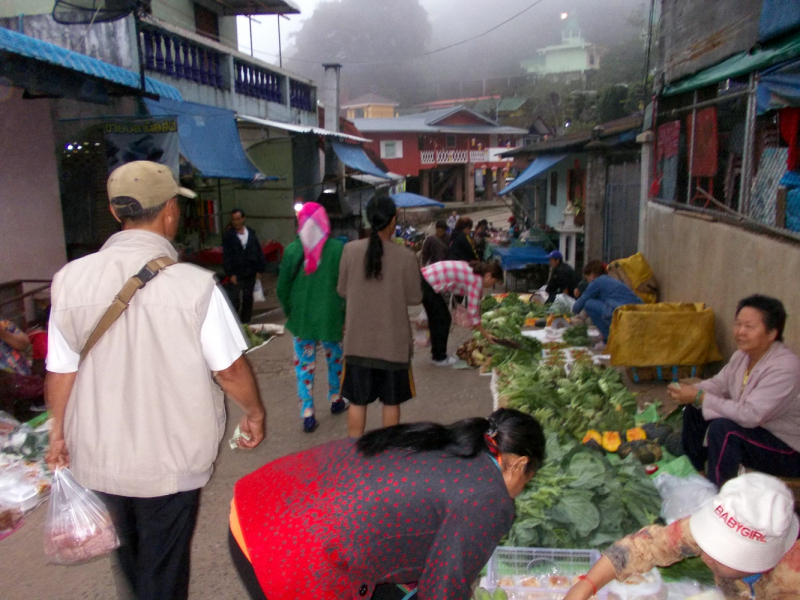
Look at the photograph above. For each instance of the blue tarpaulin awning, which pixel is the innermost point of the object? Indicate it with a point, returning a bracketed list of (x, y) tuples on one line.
[(355, 158), (519, 257), (209, 139), (779, 87), (409, 200), (536, 168), (26, 46)]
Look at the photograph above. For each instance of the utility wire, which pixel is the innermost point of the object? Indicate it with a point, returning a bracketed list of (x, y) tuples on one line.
[(437, 50)]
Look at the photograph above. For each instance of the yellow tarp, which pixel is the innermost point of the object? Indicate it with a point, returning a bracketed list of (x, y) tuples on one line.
[(635, 272), (664, 334)]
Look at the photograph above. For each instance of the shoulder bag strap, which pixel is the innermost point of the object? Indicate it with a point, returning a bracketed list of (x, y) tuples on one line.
[(123, 299)]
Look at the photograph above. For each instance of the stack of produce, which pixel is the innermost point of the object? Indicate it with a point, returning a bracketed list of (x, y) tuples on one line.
[(579, 499), (588, 398)]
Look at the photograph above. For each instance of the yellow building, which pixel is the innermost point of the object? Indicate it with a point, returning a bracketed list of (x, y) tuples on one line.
[(370, 106)]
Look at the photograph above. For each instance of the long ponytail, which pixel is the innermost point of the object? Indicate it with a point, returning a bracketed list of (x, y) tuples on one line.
[(380, 212), (511, 431)]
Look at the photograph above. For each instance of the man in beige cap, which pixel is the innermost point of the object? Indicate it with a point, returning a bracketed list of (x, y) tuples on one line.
[(138, 418)]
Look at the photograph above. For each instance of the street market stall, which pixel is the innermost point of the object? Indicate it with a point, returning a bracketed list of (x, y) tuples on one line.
[(603, 453)]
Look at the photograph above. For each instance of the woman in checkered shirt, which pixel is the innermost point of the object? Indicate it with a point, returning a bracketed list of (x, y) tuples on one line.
[(462, 279)]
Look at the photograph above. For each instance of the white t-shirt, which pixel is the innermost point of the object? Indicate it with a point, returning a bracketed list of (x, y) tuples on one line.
[(243, 237), (221, 337)]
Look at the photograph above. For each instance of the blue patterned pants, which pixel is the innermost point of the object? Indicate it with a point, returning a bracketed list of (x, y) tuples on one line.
[(305, 358)]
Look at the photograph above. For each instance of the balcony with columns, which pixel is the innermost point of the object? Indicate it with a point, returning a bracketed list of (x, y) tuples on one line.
[(208, 72)]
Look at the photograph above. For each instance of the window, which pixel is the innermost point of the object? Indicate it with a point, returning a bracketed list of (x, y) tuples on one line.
[(206, 22), (450, 140), (392, 149), (554, 188), (358, 113)]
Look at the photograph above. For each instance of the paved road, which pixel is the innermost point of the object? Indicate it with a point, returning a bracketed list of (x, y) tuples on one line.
[(445, 395)]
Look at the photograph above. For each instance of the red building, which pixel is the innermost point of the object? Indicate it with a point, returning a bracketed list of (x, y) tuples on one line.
[(445, 154)]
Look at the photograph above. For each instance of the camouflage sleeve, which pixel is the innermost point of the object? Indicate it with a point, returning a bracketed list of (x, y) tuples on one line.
[(651, 547)]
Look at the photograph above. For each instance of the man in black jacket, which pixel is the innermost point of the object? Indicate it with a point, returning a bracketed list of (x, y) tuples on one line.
[(562, 277), (243, 259)]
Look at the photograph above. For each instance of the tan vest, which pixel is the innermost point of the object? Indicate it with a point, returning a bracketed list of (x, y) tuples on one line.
[(145, 417)]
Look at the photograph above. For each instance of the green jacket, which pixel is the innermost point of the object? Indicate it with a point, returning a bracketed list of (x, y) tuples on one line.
[(313, 308)]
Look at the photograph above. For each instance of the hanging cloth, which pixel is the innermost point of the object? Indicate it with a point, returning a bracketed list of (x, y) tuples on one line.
[(789, 124), (314, 228)]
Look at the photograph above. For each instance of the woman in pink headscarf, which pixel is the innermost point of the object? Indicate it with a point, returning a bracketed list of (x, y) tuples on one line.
[(315, 312)]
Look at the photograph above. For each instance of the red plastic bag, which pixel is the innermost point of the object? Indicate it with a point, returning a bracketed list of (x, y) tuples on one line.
[(78, 525)]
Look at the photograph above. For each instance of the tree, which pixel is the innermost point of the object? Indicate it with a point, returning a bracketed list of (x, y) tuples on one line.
[(370, 38)]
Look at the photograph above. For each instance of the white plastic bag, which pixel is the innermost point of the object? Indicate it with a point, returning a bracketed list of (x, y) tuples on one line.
[(422, 335), (78, 525), (683, 496), (258, 292)]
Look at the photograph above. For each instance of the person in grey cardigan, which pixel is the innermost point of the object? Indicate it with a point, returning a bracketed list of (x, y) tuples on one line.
[(379, 280), (750, 412)]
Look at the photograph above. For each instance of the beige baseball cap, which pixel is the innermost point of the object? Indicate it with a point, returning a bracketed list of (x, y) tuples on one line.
[(149, 183)]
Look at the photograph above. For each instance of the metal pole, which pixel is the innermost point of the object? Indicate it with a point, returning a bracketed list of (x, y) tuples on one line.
[(250, 22), (747, 157), (691, 151), (280, 51)]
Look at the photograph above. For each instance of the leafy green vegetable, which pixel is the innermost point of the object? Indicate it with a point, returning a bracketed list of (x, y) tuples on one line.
[(489, 303), (577, 335), (689, 568), (579, 499)]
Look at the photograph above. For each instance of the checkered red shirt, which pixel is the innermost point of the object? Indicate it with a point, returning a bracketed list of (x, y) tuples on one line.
[(456, 277)]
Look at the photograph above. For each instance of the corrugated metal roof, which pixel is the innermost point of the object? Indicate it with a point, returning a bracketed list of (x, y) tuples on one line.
[(259, 7), (302, 129), (428, 122), (580, 140), (368, 99), (23, 45)]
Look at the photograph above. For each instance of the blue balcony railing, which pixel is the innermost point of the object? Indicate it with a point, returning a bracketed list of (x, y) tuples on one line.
[(301, 96), (257, 82), (178, 57)]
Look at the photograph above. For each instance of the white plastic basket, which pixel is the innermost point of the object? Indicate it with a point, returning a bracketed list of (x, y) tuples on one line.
[(555, 571)]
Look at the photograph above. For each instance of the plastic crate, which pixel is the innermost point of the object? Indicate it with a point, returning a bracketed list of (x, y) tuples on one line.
[(516, 564), (666, 373)]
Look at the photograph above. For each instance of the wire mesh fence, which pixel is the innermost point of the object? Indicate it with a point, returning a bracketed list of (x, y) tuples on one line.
[(714, 153)]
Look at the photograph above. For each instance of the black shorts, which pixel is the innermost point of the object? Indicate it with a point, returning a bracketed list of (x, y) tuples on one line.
[(363, 385)]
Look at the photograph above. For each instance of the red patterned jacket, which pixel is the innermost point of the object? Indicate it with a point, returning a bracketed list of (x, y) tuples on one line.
[(328, 523)]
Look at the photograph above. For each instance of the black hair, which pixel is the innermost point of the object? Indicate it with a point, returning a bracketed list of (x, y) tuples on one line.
[(482, 223), (493, 267), (380, 212), (129, 210), (514, 432), (772, 312), (441, 224), (239, 210)]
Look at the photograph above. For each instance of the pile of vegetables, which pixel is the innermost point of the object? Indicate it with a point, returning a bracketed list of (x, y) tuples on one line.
[(579, 499), (577, 335), (588, 398)]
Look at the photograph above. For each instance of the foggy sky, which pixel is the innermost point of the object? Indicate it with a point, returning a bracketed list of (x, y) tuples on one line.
[(604, 22)]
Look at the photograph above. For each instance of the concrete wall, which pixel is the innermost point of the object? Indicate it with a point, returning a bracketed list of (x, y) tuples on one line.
[(696, 34), (31, 230), (181, 13), (555, 214), (12, 8), (696, 260)]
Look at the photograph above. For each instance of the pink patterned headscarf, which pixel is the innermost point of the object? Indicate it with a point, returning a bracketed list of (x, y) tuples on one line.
[(314, 229)]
